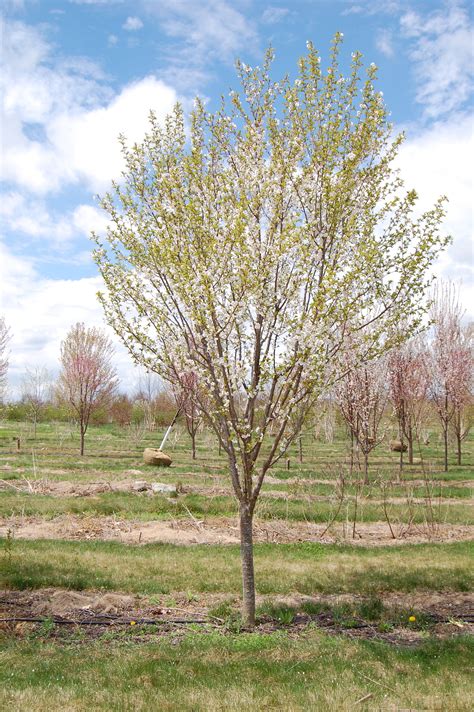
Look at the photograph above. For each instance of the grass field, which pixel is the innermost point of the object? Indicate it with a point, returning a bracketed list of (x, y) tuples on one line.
[(364, 592)]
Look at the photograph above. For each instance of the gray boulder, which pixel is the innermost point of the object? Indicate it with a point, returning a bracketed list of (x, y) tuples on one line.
[(140, 486), (159, 487)]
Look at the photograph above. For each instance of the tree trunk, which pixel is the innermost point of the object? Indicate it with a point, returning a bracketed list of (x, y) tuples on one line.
[(445, 434), (410, 446), (82, 439), (352, 453), (193, 438), (248, 579), (458, 436), (300, 444), (366, 468)]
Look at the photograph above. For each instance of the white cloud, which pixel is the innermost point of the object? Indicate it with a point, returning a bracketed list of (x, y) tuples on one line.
[(112, 40), (441, 52), (132, 23), (76, 114), (41, 311), (86, 143), (87, 219), (384, 42), (273, 15), (373, 7), (204, 32), (29, 217), (434, 163), (96, 2)]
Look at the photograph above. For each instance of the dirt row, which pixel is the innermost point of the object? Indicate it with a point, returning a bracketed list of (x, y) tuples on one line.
[(65, 488), (61, 602), (224, 530), (445, 614)]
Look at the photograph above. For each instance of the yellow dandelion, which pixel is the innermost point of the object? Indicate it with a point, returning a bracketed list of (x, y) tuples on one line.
[(133, 622), (412, 619)]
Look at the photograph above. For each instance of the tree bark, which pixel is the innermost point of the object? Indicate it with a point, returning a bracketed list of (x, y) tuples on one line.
[(410, 447), (193, 438), (248, 578), (445, 434), (300, 444), (366, 468), (82, 439), (458, 437)]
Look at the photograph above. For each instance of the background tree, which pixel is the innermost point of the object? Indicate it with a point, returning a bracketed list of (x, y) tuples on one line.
[(87, 380), (4, 339), (36, 392), (121, 409), (461, 387), (362, 396), (408, 379), (448, 359), (185, 392), (241, 248)]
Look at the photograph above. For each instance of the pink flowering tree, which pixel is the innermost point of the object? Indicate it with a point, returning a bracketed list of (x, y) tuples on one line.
[(185, 389), (461, 388), (450, 364), (87, 380), (242, 243), (361, 395), (408, 380)]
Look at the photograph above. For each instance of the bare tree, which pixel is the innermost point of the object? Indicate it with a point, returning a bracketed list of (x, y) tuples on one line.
[(450, 361), (121, 409), (5, 337), (88, 379), (146, 396), (36, 391), (408, 379), (185, 393), (362, 396)]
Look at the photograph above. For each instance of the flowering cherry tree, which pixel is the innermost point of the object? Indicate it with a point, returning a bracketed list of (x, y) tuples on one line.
[(462, 374), (361, 394), (185, 388), (87, 380), (450, 363), (241, 245), (408, 378)]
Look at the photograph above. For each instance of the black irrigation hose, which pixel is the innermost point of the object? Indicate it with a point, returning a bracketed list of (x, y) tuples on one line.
[(102, 621), (112, 620)]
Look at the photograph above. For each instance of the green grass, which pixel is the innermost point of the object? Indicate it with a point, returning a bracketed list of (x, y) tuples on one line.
[(305, 568), (209, 671), (214, 673)]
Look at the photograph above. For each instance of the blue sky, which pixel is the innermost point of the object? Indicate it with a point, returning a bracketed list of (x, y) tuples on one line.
[(76, 73)]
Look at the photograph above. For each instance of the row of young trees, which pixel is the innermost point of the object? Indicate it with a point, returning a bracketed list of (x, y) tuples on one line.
[(87, 389), (410, 378)]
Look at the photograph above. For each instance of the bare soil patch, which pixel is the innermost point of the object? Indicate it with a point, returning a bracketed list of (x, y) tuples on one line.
[(224, 531)]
